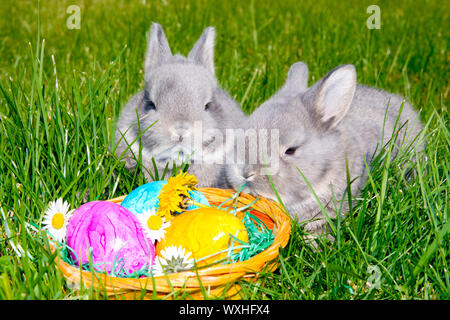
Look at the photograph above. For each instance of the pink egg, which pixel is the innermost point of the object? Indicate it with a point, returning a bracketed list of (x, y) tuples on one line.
[(118, 242)]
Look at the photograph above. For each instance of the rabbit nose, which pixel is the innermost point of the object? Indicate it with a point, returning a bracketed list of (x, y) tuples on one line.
[(248, 173), (179, 131), (180, 134)]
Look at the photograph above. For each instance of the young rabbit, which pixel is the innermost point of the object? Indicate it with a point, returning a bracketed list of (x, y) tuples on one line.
[(319, 127), (185, 108)]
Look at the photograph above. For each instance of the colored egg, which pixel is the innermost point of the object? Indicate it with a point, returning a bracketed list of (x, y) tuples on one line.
[(204, 232), (145, 197), (115, 235)]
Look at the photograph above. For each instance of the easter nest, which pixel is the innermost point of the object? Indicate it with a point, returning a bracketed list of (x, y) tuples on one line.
[(214, 281)]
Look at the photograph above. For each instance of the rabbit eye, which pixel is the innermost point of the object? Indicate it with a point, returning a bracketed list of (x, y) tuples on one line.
[(290, 151), (208, 105), (149, 105)]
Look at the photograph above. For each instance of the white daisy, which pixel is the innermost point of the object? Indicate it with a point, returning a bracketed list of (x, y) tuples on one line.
[(172, 259), (56, 218), (154, 225)]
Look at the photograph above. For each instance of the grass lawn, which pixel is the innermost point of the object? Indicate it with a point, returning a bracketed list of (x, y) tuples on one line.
[(61, 91)]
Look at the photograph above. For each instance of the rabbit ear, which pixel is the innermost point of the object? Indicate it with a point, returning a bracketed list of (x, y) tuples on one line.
[(297, 79), (333, 94), (203, 50), (158, 49)]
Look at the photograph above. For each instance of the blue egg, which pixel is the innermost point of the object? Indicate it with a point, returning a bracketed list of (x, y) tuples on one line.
[(145, 197)]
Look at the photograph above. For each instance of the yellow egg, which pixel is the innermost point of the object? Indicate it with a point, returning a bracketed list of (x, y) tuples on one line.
[(204, 232)]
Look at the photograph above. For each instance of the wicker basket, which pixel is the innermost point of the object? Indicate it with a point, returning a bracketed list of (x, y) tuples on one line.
[(216, 281)]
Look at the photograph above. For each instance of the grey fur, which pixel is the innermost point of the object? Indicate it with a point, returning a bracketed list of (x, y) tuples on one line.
[(333, 119), (180, 88)]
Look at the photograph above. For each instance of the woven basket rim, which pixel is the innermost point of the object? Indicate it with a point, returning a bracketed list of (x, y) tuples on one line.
[(217, 275)]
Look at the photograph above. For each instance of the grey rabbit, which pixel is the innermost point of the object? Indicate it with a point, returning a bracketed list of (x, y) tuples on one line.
[(180, 113), (318, 127)]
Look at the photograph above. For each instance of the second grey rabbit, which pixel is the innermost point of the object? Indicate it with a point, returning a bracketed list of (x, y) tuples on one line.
[(318, 128), (184, 107)]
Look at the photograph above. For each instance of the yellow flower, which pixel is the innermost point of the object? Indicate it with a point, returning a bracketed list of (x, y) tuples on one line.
[(183, 180), (173, 193), (169, 202)]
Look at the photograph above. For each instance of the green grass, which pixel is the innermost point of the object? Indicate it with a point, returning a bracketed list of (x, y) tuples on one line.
[(61, 90)]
